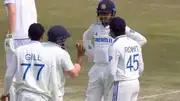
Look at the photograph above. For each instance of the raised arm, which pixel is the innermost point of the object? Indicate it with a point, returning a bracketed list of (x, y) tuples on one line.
[(70, 69), (73, 71), (11, 13), (136, 36)]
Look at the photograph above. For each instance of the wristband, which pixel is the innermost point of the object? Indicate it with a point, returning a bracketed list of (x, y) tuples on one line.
[(5, 95), (9, 35)]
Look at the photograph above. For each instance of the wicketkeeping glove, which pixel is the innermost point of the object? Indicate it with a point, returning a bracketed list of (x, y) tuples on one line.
[(80, 48)]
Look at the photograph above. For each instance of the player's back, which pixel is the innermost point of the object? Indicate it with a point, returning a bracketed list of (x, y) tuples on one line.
[(60, 55), (129, 58), (34, 69)]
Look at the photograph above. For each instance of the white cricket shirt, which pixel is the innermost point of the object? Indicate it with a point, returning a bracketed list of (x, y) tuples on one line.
[(101, 41), (125, 59), (63, 63), (34, 70), (26, 14)]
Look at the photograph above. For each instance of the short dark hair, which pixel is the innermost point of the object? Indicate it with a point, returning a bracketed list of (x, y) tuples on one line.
[(36, 31), (118, 26)]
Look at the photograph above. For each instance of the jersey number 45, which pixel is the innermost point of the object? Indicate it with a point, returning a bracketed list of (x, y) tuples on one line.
[(133, 63), (27, 66)]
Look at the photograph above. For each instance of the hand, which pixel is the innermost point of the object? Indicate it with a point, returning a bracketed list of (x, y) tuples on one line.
[(9, 44), (3, 97), (80, 48)]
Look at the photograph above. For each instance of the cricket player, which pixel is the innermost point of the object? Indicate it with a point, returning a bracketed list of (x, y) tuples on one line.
[(57, 46), (21, 14), (125, 63), (34, 70), (98, 50)]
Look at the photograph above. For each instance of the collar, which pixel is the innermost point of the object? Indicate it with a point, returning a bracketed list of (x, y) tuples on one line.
[(121, 36), (107, 27), (32, 41), (100, 23), (52, 43)]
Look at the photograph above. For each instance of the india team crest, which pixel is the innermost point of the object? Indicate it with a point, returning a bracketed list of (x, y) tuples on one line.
[(103, 6)]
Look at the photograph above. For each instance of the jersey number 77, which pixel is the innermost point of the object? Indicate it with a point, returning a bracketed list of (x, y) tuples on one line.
[(133, 63), (28, 66)]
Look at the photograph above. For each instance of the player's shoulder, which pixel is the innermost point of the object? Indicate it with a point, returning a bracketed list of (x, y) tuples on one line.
[(54, 48), (51, 45), (23, 47), (95, 26), (32, 46)]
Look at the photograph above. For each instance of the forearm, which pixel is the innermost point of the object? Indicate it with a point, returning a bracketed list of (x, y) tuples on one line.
[(11, 17), (70, 69), (7, 84), (79, 60), (75, 71), (141, 63), (89, 50), (141, 68), (10, 72), (88, 44), (12, 22)]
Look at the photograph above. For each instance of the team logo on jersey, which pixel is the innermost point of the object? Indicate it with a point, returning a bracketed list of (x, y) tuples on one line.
[(110, 58), (132, 31), (103, 6), (89, 47)]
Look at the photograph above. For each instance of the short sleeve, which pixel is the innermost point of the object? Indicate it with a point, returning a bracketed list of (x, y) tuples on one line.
[(66, 62), (9, 1)]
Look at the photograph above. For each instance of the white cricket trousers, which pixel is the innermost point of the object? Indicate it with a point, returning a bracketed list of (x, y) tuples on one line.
[(17, 42), (97, 83), (25, 95), (124, 91)]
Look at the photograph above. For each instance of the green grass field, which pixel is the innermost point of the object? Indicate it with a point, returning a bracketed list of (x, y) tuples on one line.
[(157, 20)]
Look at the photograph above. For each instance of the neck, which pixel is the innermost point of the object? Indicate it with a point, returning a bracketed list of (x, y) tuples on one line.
[(35, 40)]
